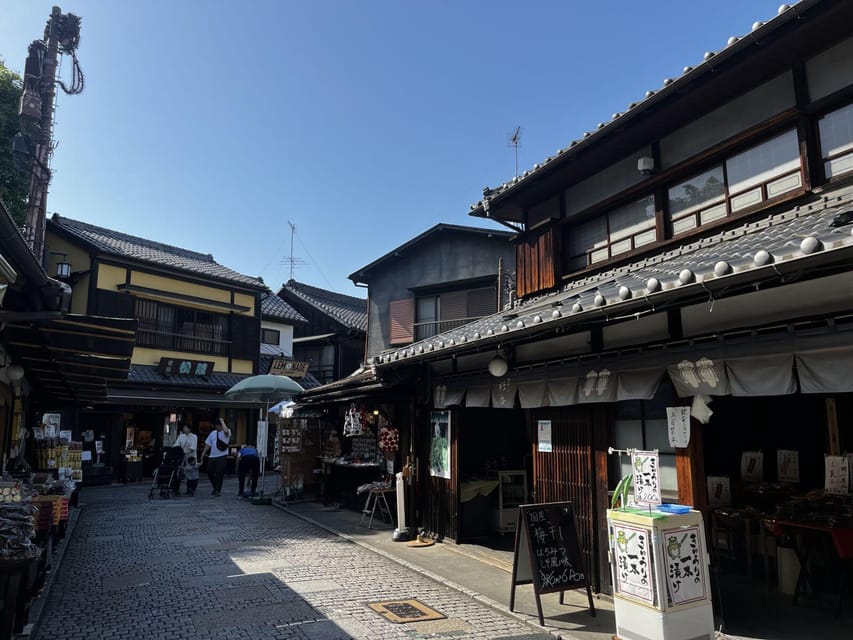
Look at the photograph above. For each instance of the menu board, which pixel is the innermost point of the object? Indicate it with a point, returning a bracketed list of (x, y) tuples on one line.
[(363, 448), (547, 551), (290, 440)]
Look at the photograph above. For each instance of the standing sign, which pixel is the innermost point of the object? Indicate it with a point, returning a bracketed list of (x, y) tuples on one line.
[(632, 561), (547, 553), (788, 465), (645, 468), (262, 438), (544, 436), (837, 478), (685, 573)]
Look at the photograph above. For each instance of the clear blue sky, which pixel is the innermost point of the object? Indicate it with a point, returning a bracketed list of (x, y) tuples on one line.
[(210, 124)]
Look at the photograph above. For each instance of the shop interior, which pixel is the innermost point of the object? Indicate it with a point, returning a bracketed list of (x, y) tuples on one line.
[(781, 530), (495, 466)]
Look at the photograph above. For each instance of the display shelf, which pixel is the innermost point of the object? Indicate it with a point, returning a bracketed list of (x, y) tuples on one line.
[(512, 493)]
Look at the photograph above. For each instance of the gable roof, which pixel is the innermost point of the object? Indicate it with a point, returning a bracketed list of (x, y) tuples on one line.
[(358, 276), (347, 310), (275, 309), (123, 245), (794, 17), (809, 237)]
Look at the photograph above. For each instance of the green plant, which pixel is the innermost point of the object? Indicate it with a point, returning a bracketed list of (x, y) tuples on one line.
[(620, 494)]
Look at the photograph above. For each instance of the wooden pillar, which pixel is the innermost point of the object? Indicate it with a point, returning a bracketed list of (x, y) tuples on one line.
[(690, 470)]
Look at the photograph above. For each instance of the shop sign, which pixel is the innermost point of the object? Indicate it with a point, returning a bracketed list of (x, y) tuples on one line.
[(179, 367), (646, 472), (544, 436), (289, 368), (678, 423)]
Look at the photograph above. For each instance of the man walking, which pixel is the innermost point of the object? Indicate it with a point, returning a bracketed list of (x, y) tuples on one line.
[(215, 450)]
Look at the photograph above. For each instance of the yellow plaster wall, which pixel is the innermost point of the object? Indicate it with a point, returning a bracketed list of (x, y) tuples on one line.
[(109, 277), (161, 283), (80, 294), (147, 356)]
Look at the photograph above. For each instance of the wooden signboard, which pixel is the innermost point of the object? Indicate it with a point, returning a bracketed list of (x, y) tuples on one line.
[(547, 553)]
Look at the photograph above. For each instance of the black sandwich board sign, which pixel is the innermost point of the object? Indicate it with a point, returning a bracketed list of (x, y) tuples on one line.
[(548, 553)]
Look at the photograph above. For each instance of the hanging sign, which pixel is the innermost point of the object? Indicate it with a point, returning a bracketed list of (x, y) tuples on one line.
[(788, 465), (262, 439), (544, 436), (632, 562), (678, 422), (180, 367), (837, 474), (289, 368), (547, 553), (752, 466), (685, 576), (719, 491), (645, 468)]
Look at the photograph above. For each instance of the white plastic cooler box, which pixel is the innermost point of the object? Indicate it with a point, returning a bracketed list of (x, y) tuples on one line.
[(659, 565)]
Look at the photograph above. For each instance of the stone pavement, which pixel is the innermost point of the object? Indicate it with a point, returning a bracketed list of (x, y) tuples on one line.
[(222, 568)]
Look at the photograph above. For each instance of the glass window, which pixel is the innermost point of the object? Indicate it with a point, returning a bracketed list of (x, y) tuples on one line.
[(426, 317), (696, 193), (629, 220), (836, 141), (270, 336), (761, 163)]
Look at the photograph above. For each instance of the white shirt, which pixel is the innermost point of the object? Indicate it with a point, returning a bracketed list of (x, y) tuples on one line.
[(211, 442), (188, 442)]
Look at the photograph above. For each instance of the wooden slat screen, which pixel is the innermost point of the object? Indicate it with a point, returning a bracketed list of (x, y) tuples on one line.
[(537, 262), (567, 473), (401, 318)]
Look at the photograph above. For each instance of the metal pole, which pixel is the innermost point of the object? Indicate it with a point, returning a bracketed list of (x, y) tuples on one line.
[(37, 210)]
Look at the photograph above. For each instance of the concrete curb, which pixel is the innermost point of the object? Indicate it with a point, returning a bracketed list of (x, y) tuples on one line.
[(38, 603), (484, 600)]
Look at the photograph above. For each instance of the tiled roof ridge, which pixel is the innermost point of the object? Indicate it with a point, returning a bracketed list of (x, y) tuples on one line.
[(320, 295), (73, 224), (668, 86)]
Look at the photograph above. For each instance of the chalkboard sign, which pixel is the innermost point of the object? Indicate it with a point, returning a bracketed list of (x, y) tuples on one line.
[(363, 448), (547, 553)]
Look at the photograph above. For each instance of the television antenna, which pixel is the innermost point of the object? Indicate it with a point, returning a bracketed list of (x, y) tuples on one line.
[(514, 141), (292, 261)]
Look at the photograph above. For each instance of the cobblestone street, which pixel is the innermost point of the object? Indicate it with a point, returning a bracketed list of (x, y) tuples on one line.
[(208, 567)]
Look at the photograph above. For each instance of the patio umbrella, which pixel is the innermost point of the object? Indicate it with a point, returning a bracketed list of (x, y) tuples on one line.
[(264, 389)]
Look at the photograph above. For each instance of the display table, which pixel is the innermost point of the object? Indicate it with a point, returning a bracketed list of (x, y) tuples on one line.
[(810, 537), (340, 481)]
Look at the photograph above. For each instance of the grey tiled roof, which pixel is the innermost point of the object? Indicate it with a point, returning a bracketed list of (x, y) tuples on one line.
[(274, 308), (671, 86), (755, 251), (127, 246), (348, 310), (147, 374)]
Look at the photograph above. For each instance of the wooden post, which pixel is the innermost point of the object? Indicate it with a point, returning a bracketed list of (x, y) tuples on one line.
[(690, 469), (833, 446)]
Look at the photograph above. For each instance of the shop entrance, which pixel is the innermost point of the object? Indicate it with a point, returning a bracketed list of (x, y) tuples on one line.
[(771, 521), (495, 469)]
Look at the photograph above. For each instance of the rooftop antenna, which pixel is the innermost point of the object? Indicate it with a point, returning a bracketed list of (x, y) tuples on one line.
[(514, 141), (291, 260)]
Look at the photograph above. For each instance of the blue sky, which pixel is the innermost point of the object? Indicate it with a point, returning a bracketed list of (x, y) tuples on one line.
[(212, 125)]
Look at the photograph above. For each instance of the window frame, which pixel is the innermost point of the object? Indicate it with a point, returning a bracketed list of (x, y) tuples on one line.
[(166, 328), (277, 332)]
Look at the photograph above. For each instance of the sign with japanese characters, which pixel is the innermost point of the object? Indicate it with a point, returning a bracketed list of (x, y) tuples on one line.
[(837, 474), (547, 552), (290, 440), (788, 465), (180, 367), (645, 468), (544, 436), (719, 491), (685, 576), (289, 368), (678, 423), (632, 558), (752, 466)]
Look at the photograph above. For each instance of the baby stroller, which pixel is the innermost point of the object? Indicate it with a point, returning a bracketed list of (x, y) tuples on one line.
[(167, 477)]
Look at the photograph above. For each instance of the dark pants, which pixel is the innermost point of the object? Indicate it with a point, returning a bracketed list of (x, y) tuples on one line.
[(192, 485), (216, 472), (251, 466)]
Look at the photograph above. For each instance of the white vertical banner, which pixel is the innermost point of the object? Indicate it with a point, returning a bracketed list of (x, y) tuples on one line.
[(544, 436), (262, 439), (678, 423), (788, 465), (752, 466), (645, 467), (837, 474)]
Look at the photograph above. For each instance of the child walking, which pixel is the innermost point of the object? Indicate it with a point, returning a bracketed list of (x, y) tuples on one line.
[(190, 471)]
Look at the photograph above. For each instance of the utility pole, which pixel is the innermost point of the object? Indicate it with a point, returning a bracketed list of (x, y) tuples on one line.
[(34, 145)]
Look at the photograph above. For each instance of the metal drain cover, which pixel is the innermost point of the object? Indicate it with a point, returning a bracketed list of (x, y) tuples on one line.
[(402, 611)]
